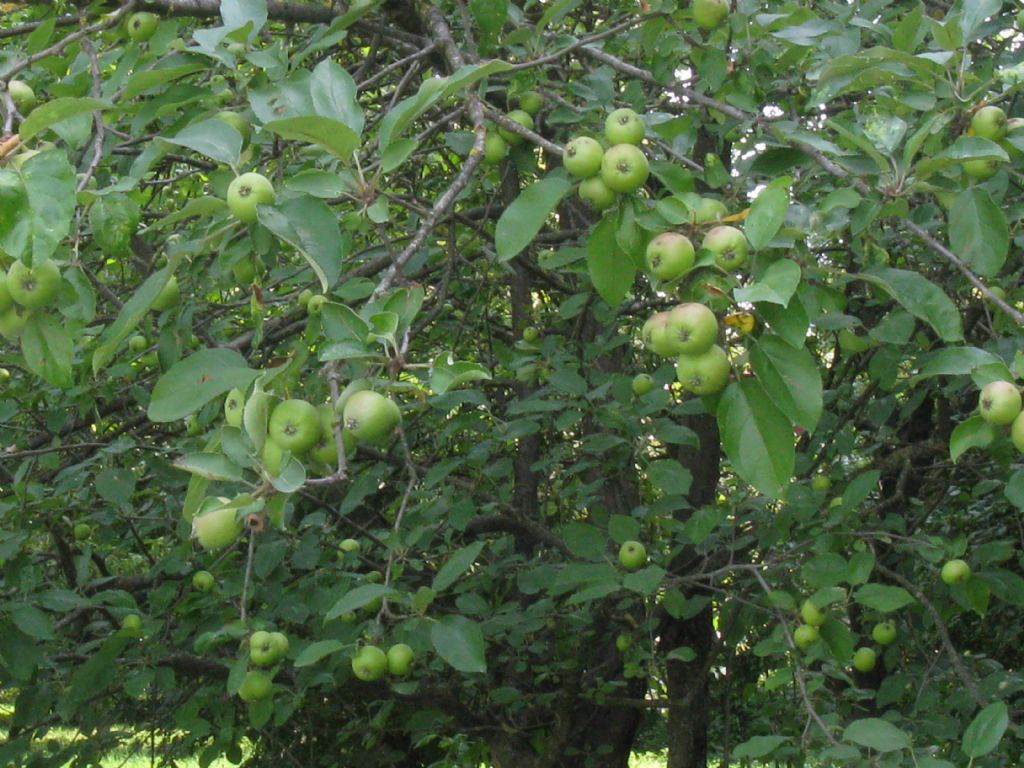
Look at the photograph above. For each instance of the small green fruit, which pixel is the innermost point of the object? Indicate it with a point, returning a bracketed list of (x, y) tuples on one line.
[(217, 528), (956, 572), (804, 635), (864, 659), (82, 531), (812, 614), (517, 116), (234, 407), (632, 555), (642, 384), (884, 633), (256, 686), (400, 657), (370, 663), (203, 581)]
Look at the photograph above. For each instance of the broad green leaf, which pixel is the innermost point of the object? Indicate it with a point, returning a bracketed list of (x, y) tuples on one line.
[(140, 82), (1014, 489), (978, 232), (332, 135), (313, 652), (777, 285), (972, 432), (193, 382), (212, 466), (883, 597), (358, 597), (972, 15), (311, 227), (446, 374), (921, 298), (55, 111), (986, 730), (524, 218), (114, 219), (791, 378), (460, 642), (460, 561), (759, 746), (670, 477), (47, 348), (37, 205), (92, 676), (213, 138), (32, 621), (334, 95), (237, 13), (757, 437), (767, 213), (956, 361), (611, 271), (877, 734), (490, 15)]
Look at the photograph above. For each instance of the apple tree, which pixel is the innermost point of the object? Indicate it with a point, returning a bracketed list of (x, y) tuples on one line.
[(398, 383)]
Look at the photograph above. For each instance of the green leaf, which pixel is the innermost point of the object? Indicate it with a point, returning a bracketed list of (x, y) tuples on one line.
[(49, 183), (114, 219), (877, 734), (610, 270), (972, 432), (670, 477), (358, 597), (460, 561), (32, 621), (956, 361), (767, 213), (446, 374), (460, 642), (91, 677), (757, 437), (55, 111), (759, 746), (193, 382), (791, 378), (47, 347), (777, 285), (921, 298), (213, 138), (212, 466), (978, 232), (313, 652), (524, 218), (334, 95), (311, 227), (883, 597), (237, 13), (332, 135), (986, 730)]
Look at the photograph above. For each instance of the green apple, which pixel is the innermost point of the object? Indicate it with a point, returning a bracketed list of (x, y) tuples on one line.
[(582, 157), (693, 327), (315, 304), (246, 192), (33, 287), (168, 297), (1017, 432), (256, 686), (530, 334), (709, 13), (234, 407), (658, 337), (516, 116), (4, 375), (495, 148), (294, 425), (623, 642), (374, 577), (704, 374), (999, 403), (804, 635), (708, 209), (370, 663), (138, 343), (244, 271), (350, 545), (203, 581), (632, 555), (261, 649), (400, 658), (236, 121), (22, 95), (981, 168), (370, 416), (82, 531), (729, 246), (821, 483), (12, 322), (6, 302), (642, 384), (864, 659), (884, 633), (989, 123), (624, 168), (531, 102), (596, 193), (624, 126), (956, 572), (131, 625), (669, 256), (217, 528), (141, 26), (272, 457), (279, 640), (305, 296), (812, 614)]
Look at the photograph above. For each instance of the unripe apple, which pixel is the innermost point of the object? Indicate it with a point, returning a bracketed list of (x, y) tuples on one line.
[(294, 425), (6, 302), (12, 322), (989, 123), (370, 663), (495, 148), (138, 343), (804, 635), (709, 209), (33, 287), (729, 246), (642, 384), (658, 337), (596, 193), (131, 625), (256, 686), (582, 157), (246, 192), (632, 555), (709, 13), (821, 483), (884, 633), (669, 256), (22, 95), (981, 168), (956, 572), (400, 658), (1017, 432), (864, 659), (623, 642), (350, 545), (704, 374), (234, 407), (624, 168), (315, 304), (305, 296), (280, 645), (693, 327), (82, 531), (624, 126), (272, 457), (1000, 403), (530, 334), (203, 581), (370, 416), (812, 614), (517, 116), (531, 102), (217, 528), (141, 26)]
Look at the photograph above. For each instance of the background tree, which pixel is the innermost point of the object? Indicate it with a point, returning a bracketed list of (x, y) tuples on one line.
[(345, 421)]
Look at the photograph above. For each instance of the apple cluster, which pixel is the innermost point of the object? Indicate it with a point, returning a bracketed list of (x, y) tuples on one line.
[(371, 662), (688, 332), (607, 173), (990, 122), (497, 143)]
